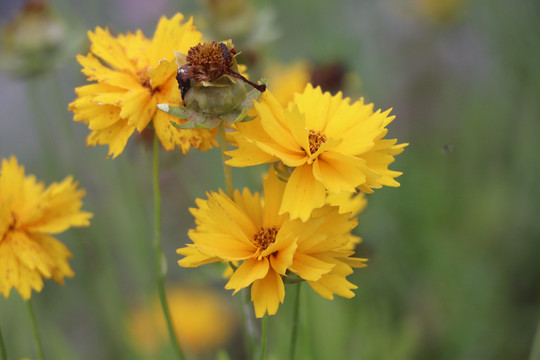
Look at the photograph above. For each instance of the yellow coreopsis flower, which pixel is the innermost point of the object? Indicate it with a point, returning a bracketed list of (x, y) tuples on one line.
[(250, 230), (29, 213), (331, 145), (202, 319), (131, 75)]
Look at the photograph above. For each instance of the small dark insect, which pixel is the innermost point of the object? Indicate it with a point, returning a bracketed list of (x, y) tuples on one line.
[(226, 53), (183, 76)]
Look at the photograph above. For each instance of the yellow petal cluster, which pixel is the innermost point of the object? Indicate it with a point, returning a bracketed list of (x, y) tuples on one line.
[(130, 75), (270, 246), (29, 214), (330, 145)]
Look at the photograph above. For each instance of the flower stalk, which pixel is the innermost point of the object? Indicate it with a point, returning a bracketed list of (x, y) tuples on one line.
[(3, 352), (161, 263), (226, 168), (264, 336), (35, 330), (294, 330)]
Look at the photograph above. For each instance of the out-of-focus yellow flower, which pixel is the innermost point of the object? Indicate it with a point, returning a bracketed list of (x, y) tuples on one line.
[(329, 144), (131, 75), (203, 321), (29, 213), (440, 11), (285, 81), (270, 246)]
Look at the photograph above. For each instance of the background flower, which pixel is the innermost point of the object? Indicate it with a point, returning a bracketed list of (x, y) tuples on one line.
[(29, 213)]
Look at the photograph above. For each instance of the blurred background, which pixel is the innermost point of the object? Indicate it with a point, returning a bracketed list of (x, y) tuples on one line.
[(454, 270)]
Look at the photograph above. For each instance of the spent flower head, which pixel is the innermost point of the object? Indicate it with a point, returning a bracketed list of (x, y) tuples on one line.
[(29, 214), (130, 75), (212, 87)]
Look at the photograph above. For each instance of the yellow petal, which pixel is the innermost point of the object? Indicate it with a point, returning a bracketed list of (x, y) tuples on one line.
[(31, 254), (138, 107), (160, 74), (339, 172), (267, 293), (110, 50), (282, 251), (249, 271), (95, 71), (225, 247), (303, 193), (116, 136), (310, 267), (28, 280), (61, 203), (273, 195), (9, 268), (193, 257), (59, 253), (171, 35), (274, 123)]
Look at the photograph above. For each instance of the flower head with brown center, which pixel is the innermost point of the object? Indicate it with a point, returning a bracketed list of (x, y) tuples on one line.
[(249, 230), (331, 146)]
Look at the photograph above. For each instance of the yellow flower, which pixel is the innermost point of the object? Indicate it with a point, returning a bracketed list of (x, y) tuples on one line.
[(249, 229), (131, 75), (29, 213), (285, 81), (332, 145), (201, 318)]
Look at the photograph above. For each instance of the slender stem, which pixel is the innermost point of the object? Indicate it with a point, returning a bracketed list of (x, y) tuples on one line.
[(535, 351), (264, 336), (296, 313), (226, 168), (35, 330), (161, 264), (3, 352)]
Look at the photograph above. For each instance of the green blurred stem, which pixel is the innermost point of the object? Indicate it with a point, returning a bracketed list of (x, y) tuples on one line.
[(535, 351), (294, 335), (35, 330), (3, 353), (264, 336), (226, 168), (160, 257)]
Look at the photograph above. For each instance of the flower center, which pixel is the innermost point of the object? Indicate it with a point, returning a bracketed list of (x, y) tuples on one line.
[(316, 139), (265, 237), (10, 227), (145, 80), (210, 61)]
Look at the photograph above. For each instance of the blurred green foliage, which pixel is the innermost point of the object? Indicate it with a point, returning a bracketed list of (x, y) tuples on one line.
[(454, 270)]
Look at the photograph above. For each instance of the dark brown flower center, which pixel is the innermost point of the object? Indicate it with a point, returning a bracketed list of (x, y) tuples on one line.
[(316, 139), (265, 237), (210, 61)]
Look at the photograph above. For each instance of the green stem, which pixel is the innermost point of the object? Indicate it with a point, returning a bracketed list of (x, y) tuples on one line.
[(35, 330), (226, 168), (3, 353), (264, 336), (296, 313), (161, 263), (535, 351)]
